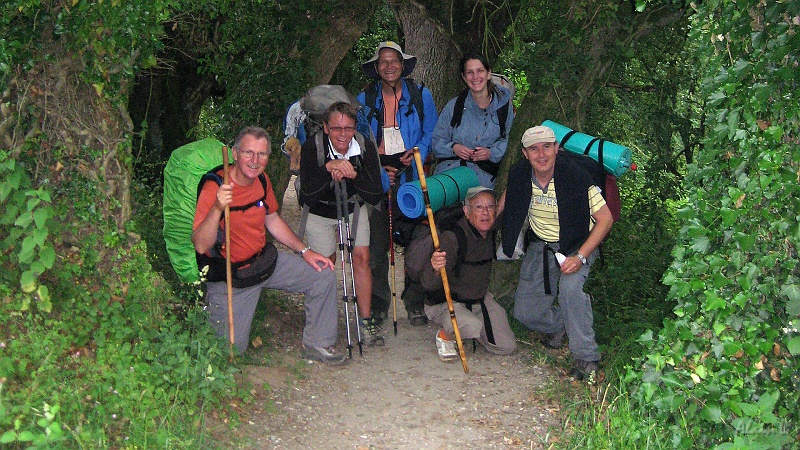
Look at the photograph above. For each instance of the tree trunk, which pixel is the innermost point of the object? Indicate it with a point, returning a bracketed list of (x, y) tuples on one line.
[(437, 54), (82, 140), (440, 33)]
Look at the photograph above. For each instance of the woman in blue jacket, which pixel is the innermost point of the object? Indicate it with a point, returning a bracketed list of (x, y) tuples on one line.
[(473, 128)]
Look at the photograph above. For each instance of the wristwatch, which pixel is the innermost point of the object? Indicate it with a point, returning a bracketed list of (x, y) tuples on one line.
[(303, 251), (581, 257)]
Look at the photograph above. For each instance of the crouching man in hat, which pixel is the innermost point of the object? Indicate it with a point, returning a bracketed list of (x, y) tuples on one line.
[(468, 272)]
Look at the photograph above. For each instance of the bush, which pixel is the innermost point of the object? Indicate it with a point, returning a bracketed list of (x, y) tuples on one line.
[(725, 371)]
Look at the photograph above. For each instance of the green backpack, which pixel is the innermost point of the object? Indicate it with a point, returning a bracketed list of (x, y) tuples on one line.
[(184, 170)]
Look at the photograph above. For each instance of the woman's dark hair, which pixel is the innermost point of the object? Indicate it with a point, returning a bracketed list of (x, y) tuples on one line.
[(486, 65)]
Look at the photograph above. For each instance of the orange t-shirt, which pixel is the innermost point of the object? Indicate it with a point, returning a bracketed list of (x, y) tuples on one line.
[(248, 229)]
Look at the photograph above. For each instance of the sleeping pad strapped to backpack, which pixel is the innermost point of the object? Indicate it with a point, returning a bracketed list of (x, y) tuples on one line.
[(185, 168)]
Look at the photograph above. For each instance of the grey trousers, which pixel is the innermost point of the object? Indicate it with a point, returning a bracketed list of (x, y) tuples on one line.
[(535, 309), (292, 274), (470, 324)]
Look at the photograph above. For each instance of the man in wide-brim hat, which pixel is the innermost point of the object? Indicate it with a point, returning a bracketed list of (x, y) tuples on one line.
[(401, 115)]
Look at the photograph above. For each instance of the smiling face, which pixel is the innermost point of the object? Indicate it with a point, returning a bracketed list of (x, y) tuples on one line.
[(251, 157), (390, 66), (542, 156), (481, 212), (476, 75), (340, 129)]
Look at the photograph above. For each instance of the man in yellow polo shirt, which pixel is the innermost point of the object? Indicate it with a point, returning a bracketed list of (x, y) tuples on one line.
[(567, 219)]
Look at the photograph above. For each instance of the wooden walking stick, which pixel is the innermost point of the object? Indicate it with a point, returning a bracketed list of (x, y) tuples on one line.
[(442, 271), (226, 180), (391, 261)]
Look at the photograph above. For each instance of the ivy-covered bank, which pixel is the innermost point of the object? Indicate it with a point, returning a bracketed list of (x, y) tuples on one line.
[(91, 355), (725, 370)]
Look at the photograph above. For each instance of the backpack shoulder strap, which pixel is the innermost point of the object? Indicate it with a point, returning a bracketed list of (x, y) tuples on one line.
[(262, 177), (458, 108), (502, 116), (370, 99), (211, 175), (416, 97), (461, 238), (320, 149)]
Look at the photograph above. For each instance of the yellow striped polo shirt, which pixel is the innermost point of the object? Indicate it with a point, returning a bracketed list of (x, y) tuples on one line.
[(543, 210)]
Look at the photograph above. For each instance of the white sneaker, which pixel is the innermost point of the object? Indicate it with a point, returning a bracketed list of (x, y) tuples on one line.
[(446, 348)]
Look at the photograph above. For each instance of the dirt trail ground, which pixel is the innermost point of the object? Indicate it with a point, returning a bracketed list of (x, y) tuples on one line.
[(399, 396)]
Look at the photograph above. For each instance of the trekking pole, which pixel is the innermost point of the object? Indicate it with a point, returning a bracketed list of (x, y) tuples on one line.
[(346, 214), (391, 263), (228, 275), (345, 299), (442, 271)]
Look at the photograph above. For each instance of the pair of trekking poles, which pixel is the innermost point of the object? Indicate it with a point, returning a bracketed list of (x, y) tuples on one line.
[(343, 219), (346, 240)]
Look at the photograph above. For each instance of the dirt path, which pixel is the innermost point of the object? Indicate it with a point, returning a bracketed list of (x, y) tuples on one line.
[(400, 396)]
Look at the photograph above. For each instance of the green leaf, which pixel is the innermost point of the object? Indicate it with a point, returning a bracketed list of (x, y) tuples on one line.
[(7, 437), (712, 413), (794, 345), (792, 291), (40, 217), (700, 244), (27, 281), (25, 436), (26, 250), (713, 301), (24, 220), (44, 299), (47, 255), (749, 409)]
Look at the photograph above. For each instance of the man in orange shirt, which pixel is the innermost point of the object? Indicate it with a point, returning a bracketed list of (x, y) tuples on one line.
[(254, 211)]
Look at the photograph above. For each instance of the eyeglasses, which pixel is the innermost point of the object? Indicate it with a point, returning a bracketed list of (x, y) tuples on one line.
[(484, 208), (342, 129), (248, 154)]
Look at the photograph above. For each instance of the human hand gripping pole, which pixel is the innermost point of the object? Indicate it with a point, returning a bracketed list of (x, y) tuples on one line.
[(445, 284), (226, 180)]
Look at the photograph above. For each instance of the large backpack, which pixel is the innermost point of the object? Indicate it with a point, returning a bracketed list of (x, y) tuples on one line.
[(317, 100), (602, 179), (182, 174)]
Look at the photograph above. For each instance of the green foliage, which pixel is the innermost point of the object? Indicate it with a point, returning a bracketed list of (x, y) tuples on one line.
[(259, 61), (724, 371), (112, 367), (25, 223), (114, 38)]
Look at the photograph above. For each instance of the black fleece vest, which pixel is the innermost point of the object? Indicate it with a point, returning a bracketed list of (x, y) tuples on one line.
[(572, 186)]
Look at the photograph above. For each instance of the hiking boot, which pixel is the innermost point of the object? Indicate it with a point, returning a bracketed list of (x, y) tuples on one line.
[(584, 370), (325, 355), (445, 347), (555, 341), (371, 333), (417, 317)]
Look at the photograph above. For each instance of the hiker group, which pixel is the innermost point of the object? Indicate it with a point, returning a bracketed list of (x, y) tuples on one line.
[(353, 158)]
